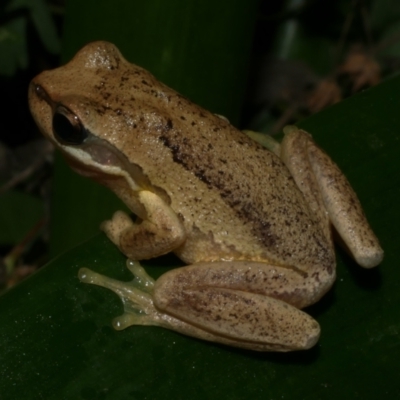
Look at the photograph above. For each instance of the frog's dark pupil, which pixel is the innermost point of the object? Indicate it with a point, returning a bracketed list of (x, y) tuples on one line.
[(67, 132)]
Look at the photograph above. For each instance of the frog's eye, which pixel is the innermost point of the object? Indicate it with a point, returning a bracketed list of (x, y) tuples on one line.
[(67, 127)]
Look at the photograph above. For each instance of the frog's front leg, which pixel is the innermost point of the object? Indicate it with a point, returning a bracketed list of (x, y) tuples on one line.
[(243, 304), (159, 233)]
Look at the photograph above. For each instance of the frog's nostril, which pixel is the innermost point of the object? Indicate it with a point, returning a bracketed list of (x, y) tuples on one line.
[(41, 93)]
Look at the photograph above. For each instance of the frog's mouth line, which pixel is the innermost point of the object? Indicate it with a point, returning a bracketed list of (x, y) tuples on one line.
[(98, 159)]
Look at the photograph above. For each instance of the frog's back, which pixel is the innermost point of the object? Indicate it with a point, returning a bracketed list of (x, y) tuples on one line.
[(245, 190)]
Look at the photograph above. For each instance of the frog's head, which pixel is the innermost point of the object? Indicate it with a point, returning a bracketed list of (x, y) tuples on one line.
[(96, 110)]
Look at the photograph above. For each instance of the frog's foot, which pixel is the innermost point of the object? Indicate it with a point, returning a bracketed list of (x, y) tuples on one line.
[(136, 295), (137, 299)]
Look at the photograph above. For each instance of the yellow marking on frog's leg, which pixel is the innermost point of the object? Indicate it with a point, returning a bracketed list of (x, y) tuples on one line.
[(265, 140), (160, 233), (326, 188)]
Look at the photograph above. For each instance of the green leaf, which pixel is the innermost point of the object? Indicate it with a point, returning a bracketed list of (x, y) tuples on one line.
[(56, 339)]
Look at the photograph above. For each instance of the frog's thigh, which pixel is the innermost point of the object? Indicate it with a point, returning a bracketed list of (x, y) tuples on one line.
[(233, 300), (326, 188), (160, 233)]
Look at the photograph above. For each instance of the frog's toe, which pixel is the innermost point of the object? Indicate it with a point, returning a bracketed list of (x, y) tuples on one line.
[(113, 228)]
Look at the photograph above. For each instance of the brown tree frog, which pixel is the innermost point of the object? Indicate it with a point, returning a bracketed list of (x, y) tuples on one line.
[(253, 225)]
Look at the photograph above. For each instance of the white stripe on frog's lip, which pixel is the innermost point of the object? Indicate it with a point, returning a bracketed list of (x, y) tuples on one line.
[(85, 159)]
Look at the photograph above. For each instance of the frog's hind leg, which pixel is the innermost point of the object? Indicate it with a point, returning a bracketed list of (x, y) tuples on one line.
[(329, 195), (222, 302), (245, 304)]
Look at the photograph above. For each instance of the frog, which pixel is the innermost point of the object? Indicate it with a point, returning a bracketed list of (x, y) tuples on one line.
[(252, 222)]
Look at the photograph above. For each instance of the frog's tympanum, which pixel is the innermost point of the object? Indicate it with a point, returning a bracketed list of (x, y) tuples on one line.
[(253, 225)]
